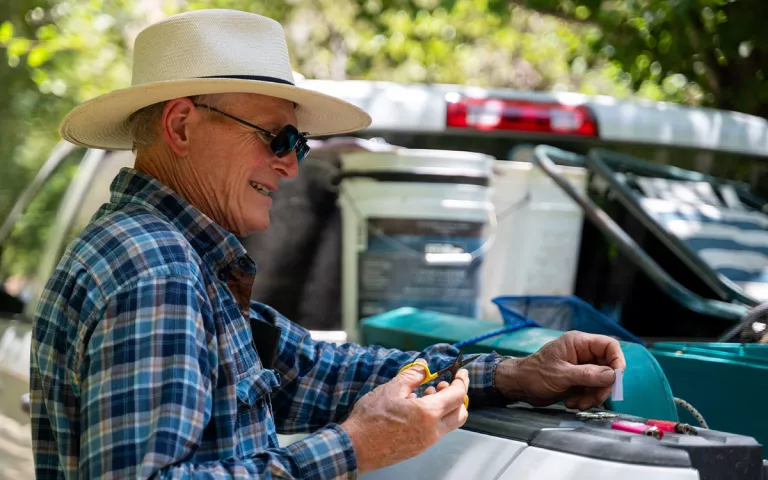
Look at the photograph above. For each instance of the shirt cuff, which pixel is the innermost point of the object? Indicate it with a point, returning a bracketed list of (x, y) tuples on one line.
[(482, 381), (326, 454)]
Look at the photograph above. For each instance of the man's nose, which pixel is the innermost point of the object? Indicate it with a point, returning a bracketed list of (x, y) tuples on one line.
[(286, 166)]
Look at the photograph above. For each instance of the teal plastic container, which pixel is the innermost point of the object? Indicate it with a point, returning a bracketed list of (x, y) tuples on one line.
[(726, 382), (646, 390)]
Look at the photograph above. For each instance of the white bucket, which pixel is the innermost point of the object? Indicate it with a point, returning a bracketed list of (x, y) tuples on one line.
[(537, 243), (414, 231)]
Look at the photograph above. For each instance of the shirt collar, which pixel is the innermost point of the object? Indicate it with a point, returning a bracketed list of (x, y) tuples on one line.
[(216, 246)]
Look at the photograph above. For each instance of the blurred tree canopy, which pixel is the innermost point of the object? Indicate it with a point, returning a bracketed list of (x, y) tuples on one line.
[(713, 52), (55, 54)]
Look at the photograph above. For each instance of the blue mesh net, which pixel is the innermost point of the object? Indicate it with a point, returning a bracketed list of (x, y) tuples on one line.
[(559, 313)]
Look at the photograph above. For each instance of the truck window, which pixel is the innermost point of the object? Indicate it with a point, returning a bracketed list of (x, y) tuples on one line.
[(24, 247)]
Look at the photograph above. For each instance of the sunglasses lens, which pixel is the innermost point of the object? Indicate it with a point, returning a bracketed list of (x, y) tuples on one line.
[(302, 151), (288, 139)]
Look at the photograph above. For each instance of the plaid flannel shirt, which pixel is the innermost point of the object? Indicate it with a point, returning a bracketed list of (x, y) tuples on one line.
[(143, 362)]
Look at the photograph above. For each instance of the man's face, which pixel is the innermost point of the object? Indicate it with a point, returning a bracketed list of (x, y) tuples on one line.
[(235, 163)]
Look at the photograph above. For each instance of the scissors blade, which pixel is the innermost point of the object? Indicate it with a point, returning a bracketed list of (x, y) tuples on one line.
[(457, 364), (466, 361), (449, 368)]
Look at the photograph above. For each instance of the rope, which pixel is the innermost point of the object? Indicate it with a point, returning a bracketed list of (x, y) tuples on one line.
[(502, 331), (694, 412)]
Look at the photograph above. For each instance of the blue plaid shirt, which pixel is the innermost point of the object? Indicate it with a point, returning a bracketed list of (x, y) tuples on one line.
[(143, 361)]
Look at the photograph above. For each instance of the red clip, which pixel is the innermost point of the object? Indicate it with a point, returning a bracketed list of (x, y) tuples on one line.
[(673, 427)]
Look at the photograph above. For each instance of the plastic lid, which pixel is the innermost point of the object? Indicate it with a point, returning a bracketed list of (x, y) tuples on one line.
[(430, 162)]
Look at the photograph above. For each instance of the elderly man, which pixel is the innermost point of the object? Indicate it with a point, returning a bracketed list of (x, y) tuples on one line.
[(148, 357)]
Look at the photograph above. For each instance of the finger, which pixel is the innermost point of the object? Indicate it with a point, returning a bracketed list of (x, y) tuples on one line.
[(429, 391), (453, 420), (463, 376), (442, 385), (572, 402), (451, 397), (411, 396), (589, 376), (599, 349), (410, 378), (589, 399), (603, 394)]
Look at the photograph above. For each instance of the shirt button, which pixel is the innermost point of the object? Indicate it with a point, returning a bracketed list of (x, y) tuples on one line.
[(223, 276), (242, 262)]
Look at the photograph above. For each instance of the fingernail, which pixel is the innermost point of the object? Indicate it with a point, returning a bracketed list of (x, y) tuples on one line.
[(607, 377)]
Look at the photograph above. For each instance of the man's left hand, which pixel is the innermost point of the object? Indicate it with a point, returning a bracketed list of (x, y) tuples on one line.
[(577, 368)]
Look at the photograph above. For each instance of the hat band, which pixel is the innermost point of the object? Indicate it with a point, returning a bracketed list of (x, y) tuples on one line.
[(253, 77)]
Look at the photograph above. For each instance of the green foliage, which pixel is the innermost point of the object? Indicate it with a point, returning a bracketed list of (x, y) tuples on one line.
[(711, 52), (57, 54)]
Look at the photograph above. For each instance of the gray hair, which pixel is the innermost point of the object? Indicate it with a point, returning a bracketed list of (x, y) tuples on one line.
[(144, 124)]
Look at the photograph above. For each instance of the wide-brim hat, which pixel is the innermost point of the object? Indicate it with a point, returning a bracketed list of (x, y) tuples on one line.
[(207, 52)]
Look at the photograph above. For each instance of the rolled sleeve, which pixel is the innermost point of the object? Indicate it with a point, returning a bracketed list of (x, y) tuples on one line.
[(328, 453), (482, 380)]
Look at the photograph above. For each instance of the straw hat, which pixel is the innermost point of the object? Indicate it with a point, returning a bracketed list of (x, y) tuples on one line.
[(206, 52)]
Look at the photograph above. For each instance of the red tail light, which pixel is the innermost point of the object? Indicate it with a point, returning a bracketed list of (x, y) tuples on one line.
[(519, 115)]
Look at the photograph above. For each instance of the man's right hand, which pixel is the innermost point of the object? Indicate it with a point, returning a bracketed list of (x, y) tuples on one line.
[(389, 425)]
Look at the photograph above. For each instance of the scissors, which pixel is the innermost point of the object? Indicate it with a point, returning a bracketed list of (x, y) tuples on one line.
[(452, 369)]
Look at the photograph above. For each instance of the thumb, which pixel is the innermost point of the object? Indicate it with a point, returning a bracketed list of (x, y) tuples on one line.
[(591, 376), (410, 378)]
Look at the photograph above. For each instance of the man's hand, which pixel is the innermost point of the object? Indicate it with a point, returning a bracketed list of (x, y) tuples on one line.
[(577, 367), (390, 424)]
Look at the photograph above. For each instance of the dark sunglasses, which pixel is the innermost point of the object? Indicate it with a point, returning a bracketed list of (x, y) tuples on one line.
[(284, 142)]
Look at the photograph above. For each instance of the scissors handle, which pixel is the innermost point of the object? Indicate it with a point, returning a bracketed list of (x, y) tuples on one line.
[(427, 378), (430, 376)]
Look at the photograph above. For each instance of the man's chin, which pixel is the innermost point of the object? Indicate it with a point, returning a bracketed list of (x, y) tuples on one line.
[(257, 224)]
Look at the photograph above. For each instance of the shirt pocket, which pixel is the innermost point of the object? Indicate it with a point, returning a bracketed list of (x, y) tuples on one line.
[(255, 423), (255, 387)]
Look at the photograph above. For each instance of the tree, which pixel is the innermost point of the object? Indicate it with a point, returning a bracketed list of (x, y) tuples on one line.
[(57, 54), (713, 52)]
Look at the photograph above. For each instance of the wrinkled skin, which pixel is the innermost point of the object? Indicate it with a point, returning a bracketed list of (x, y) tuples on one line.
[(390, 424), (577, 368), (211, 160)]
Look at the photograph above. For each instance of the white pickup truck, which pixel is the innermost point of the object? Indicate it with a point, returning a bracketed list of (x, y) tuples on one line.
[(449, 117)]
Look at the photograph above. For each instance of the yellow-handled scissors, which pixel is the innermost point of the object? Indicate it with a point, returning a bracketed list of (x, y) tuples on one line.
[(452, 369)]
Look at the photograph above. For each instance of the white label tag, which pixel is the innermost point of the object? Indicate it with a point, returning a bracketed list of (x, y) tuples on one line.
[(617, 394)]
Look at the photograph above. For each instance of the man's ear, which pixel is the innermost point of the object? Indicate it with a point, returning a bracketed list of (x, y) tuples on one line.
[(177, 115)]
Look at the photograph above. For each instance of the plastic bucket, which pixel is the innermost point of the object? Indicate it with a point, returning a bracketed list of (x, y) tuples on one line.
[(415, 226), (537, 243)]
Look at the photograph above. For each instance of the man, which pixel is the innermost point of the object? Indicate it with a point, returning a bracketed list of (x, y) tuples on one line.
[(148, 358)]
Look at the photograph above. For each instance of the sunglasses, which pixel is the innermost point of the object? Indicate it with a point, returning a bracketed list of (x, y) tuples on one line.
[(282, 143)]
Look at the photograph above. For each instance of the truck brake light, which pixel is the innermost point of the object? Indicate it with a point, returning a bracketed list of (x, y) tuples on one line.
[(519, 115)]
